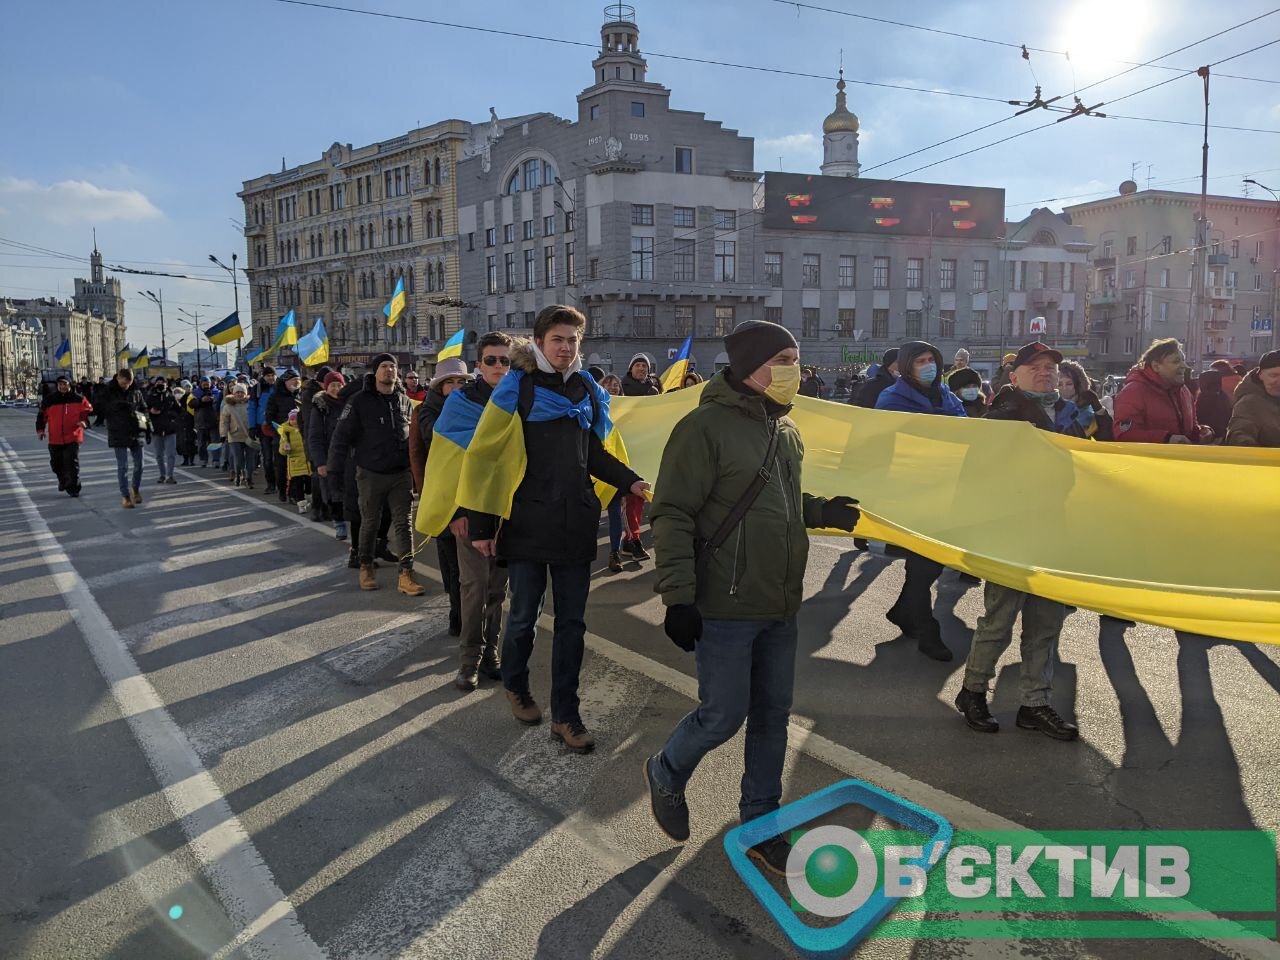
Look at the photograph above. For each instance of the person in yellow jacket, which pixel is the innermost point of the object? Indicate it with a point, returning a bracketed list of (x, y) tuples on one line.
[(295, 453)]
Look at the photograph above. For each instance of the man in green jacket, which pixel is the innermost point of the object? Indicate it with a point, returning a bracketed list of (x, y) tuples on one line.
[(735, 605)]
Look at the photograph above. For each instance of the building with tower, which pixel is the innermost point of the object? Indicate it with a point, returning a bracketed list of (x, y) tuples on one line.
[(840, 138)]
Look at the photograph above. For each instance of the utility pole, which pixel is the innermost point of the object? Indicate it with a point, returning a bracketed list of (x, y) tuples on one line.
[(1195, 336), (158, 300), (235, 291)]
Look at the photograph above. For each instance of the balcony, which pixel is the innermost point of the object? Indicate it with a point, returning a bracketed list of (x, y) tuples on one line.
[(255, 230), (1217, 324), (425, 191), (1042, 296), (1106, 297), (1219, 294), (1218, 259), (1104, 262), (1101, 325)]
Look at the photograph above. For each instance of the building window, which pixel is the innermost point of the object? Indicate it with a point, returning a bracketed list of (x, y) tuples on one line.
[(724, 321), (491, 274), (684, 265), (915, 273), (595, 317), (549, 265), (726, 220), (568, 263), (508, 233), (1233, 278), (1235, 249), (1129, 280), (684, 321), (773, 315), (946, 323), (1166, 245), (846, 320), (1164, 311), (947, 275), (1068, 277), (509, 271), (809, 322), (880, 273), (1257, 250), (725, 255), (772, 269), (641, 258), (642, 320), (530, 278), (568, 221), (1131, 249), (811, 270), (1067, 321), (595, 111), (1257, 281), (532, 171), (642, 214), (1130, 345), (549, 225), (684, 217), (513, 184), (979, 323), (848, 276), (914, 323), (637, 108), (880, 324), (593, 268), (1017, 275), (490, 236), (527, 229), (684, 159), (979, 276)]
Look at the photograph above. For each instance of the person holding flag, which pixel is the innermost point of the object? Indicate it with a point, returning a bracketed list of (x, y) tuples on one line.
[(526, 481), (63, 416)]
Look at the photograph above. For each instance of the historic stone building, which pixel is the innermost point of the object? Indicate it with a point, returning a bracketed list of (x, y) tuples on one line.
[(1142, 275), (19, 352), (94, 340), (329, 240)]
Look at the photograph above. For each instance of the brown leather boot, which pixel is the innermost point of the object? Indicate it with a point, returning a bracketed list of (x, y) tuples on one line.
[(574, 736), (367, 579), (468, 678), (137, 495), (524, 708), (409, 586), (126, 502)]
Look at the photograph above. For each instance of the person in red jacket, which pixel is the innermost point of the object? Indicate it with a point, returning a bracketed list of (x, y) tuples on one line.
[(63, 416), (1154, 405)]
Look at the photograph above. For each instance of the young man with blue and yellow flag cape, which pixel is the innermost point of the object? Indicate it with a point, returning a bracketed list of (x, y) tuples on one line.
[(526, 482), (482, 583)]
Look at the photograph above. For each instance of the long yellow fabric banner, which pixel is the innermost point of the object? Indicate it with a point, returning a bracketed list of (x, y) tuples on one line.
[(1182, 536)]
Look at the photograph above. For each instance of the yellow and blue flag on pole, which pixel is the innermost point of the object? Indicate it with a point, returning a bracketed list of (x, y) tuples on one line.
[(124, 356), (62, 356), (253, 353), (141, 361), (495, 459), (450, 439), (674, 377), (313, 348), (286, 333), (453, 346), (225, 331), (395, 307)]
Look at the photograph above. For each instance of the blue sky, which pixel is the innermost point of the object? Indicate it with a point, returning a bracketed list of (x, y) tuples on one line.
[(143, 118)]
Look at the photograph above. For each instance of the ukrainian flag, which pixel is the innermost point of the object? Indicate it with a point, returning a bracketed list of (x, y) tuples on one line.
[(286, 333), (313, 349), (125, 354), (253, 353), (674, 377), (495, 459), (453, 347), (141, 361), (450, 439), (393, 309), (225, 331), (62, 356)]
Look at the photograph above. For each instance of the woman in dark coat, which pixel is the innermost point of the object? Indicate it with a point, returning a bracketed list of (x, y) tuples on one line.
[(1213, 405), (1074, 385), (125, 412), (186, 423)]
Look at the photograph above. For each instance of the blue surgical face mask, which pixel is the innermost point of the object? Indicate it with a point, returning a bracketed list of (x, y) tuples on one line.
[(969, 393), (928, 373)]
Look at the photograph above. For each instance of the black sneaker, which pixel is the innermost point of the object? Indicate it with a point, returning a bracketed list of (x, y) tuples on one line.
[(353, 560), (773, 855), (491, 669), (382, 551), (974, 707), (669, 809), (455, 624), (1046, 720), (894, 616), (62, 485), (468, 678), (638, 551)]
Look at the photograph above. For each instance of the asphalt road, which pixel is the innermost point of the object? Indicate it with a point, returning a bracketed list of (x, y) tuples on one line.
[(205, 727)]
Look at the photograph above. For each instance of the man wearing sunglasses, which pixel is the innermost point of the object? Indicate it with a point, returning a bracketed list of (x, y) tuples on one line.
[(483, 582), (412, 388)]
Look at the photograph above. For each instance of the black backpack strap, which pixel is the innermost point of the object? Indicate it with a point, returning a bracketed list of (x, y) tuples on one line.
[(739, 509)]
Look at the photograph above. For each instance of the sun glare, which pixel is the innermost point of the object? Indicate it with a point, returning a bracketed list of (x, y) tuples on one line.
[(1097, 32)]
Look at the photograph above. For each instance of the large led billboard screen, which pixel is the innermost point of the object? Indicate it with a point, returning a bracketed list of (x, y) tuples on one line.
[(797, 201)]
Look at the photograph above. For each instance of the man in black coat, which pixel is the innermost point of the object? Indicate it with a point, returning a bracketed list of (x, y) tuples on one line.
[(283, 398), (125, 413), (867, 394), (206, 404), (374, 430), (638, 380), (553, 526), (322, 421), (166, 421)]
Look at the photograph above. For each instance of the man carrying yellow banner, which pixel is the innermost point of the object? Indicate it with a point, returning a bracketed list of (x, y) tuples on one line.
[(729, 522)]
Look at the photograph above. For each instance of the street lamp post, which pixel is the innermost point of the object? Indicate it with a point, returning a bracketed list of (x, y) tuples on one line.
[(195, 322), (158, 300), (235, 292)]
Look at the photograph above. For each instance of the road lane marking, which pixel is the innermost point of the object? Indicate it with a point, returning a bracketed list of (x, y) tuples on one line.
[(235, 869)]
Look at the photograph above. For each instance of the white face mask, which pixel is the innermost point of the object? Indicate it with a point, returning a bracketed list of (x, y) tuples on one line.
[(969, 393)]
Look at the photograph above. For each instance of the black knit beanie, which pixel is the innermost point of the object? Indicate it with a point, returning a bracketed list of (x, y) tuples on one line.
[(1269, 360), (753, 343)]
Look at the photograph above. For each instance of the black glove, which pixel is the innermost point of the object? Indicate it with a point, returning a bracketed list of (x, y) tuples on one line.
[(683, 626), (840, 513)]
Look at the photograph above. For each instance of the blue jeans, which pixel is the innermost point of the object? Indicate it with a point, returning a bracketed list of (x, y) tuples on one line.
[(746, 671), (122, 465), (165, 448), (615, 523), (569, 585), (243, 458)]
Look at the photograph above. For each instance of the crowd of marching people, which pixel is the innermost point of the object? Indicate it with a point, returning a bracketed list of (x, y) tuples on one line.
[(729, 519)]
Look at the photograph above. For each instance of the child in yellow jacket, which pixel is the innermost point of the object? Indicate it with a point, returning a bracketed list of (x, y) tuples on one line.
[(299, 468)]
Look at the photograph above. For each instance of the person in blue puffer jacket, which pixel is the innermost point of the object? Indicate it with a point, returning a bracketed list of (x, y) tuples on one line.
[(920, 388)]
